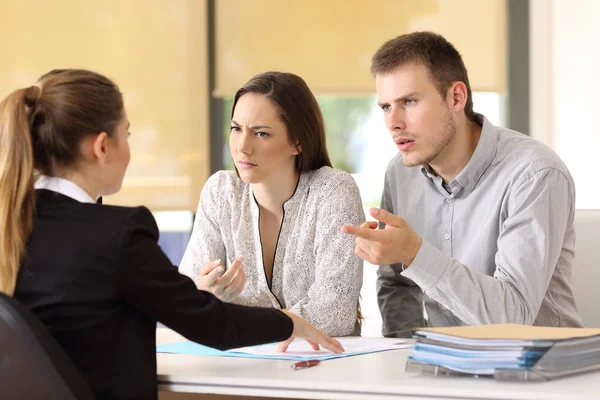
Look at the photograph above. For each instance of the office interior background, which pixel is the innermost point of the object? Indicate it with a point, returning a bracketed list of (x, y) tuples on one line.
[(533, 67)]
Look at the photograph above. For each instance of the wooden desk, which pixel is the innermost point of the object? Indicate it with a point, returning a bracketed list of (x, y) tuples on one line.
[(375, 376)]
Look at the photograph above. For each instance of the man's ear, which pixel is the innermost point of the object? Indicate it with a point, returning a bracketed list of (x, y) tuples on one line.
[(458, 96), (98, 147)]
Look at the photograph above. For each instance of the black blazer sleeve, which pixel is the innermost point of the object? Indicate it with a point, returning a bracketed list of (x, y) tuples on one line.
[(154, 286)]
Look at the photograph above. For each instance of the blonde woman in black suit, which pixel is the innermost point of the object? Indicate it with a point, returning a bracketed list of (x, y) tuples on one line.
[(92, 273)]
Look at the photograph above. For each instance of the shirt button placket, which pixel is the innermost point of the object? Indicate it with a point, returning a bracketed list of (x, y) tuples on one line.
[(449, 210)]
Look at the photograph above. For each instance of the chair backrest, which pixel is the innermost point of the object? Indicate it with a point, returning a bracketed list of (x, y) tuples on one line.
[(32, 364), (586, 268)]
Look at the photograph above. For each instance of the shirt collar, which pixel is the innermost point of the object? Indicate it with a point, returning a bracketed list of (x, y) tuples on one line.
[(64, 187), (480, 160), (302, 187)]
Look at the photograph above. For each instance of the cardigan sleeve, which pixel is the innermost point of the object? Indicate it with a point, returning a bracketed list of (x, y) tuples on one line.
[(206, 242), (155, 287), (331, 302)]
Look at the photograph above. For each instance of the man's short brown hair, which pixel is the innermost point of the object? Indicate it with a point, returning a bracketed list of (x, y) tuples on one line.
[(431, 50)]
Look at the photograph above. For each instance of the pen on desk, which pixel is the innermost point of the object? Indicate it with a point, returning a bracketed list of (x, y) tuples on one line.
[(305, 364)]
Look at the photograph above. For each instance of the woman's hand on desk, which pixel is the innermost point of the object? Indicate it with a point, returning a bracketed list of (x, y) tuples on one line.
[(226, 286), (304, 330)]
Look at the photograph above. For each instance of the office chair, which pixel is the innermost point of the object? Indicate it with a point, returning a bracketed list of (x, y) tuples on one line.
[(32, 364)]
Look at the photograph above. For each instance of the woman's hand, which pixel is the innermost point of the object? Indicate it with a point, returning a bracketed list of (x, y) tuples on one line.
[(316, 338), (226, 286)]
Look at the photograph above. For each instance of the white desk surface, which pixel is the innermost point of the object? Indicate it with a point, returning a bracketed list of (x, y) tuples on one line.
[(371, 376)]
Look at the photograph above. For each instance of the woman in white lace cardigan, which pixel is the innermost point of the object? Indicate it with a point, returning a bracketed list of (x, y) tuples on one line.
[(274, 223)]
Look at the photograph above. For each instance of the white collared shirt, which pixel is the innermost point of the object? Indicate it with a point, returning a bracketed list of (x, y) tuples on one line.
[(64, 187)]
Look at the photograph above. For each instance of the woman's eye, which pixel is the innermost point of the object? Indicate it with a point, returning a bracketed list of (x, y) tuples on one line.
[(262, 134), (235, 129)]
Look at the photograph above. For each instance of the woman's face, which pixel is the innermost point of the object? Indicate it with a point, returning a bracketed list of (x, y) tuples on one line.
[(259, 141)]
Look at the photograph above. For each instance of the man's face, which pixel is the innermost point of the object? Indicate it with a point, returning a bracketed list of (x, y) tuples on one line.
[(418, 117)]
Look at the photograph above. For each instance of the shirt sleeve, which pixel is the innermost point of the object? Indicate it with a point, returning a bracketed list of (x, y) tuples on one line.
[(206, 242), (332, 300), (400, 299), (538, 212), (151, 284)]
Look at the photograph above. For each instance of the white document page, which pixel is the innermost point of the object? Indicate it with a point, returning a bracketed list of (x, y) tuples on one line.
[(351, 344)]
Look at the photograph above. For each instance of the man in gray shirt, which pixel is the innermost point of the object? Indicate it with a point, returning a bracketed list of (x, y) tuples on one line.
[(476, 221)]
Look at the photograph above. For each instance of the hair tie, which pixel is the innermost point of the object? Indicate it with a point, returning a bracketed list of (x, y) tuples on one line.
[(32, 95)]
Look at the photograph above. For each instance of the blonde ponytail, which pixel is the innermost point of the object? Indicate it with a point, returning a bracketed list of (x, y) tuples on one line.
[(16, 183), (41, 130)]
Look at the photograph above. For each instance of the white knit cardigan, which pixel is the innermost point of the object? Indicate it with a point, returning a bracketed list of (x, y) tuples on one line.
[(315, 272)]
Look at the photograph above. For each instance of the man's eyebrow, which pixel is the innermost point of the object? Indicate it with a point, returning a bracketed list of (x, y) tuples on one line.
[(398, 99)]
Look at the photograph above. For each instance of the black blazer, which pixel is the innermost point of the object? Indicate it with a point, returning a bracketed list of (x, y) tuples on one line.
[(94, 274)]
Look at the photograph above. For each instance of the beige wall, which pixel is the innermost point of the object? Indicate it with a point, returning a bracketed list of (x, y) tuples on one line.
[(330, 43), (155, 50)]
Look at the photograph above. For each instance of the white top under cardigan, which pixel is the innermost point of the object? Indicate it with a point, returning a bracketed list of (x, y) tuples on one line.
[(315, 272)]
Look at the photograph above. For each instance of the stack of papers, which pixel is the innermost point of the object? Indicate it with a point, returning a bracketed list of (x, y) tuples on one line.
[(298, 350), (507, 350)]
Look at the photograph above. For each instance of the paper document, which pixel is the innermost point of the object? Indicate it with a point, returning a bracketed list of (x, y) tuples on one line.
[(298, 350), (352, 345), (506, 351), (508, 332)]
